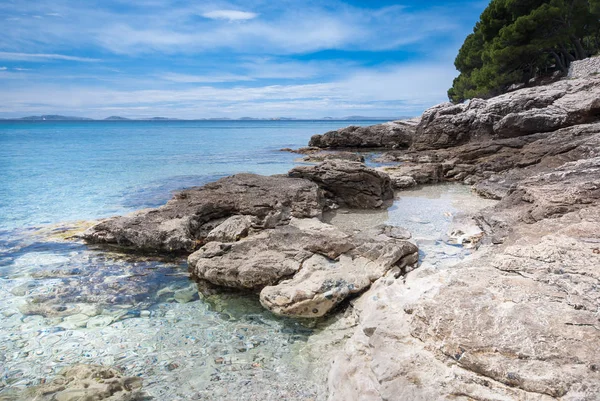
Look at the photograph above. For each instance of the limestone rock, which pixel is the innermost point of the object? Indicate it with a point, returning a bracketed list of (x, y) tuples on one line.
[(324, 265), (185, 221), (522, 112), (348, 184), (322, 283), (511, 324), (232, 229), (322, 156), (409, 174), (267, 257), (391, 135)]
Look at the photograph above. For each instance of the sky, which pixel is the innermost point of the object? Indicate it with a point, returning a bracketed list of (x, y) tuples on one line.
[(208, 59)]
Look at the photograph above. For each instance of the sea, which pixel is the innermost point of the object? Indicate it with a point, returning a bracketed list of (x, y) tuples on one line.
[(63, 303)]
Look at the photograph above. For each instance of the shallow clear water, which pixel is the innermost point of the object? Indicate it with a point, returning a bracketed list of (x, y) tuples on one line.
[(62, 171), (428, 213), (63, 303)]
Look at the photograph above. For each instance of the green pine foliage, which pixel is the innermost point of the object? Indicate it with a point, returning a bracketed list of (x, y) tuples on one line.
[(517, 40)]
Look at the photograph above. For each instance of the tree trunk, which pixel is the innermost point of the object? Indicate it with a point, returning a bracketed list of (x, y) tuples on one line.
[(579, 50), (559, 63)]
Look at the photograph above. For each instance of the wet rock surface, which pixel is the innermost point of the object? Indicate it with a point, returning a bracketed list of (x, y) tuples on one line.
[(392, 135)]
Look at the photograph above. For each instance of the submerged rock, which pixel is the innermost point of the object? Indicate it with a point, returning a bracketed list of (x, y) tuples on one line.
[(186, 220), (348, 184), (391, 135), (87, 382)]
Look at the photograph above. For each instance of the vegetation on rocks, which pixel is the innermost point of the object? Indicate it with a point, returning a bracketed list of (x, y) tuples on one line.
[(517, 40)]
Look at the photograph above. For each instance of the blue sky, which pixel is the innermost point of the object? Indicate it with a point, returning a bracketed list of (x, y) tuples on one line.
[(257, 58)]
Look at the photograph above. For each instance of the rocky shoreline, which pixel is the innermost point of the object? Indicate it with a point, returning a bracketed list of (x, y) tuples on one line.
[(518, 320)]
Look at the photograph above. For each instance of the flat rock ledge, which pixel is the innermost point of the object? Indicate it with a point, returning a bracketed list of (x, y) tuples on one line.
[(199, 215), (306, 268)]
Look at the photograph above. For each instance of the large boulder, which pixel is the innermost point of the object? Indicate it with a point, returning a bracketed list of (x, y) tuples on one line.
[(322, 283), (183, 224), (522, 112), (349, 184), (391, 135), (267, 257), (306, 268)]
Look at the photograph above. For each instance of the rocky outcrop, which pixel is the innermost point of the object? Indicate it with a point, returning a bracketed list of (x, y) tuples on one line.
[(324, 265), (87, 382), (348, 184), (391, 135), (517, 323), (518, 320), (523, 112), (323, 283), (183, 224)]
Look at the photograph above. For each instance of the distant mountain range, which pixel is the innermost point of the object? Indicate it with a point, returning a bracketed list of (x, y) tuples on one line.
[(53, 117)]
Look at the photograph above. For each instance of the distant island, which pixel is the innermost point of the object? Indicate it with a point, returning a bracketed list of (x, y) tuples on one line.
[(52, 117)]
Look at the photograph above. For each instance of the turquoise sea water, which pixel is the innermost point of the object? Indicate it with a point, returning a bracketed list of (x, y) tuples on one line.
[(59, 171), (62, 303)]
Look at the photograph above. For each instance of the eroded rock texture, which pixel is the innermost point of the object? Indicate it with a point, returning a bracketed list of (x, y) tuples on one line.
[(523, 112), (324, 265), (87, 382), (518, 320), (183, 224), (348, 184), (391, 135)]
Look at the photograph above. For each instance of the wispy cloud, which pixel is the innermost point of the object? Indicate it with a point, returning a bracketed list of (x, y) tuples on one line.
[(43, 57), (396, 90), (3, 68), (185, 78), (230, 15)]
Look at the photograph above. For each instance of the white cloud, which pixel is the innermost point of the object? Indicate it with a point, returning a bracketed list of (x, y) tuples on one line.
[(43, 57), (3, 68), (395, 91), (185, 78), (230, 15)]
